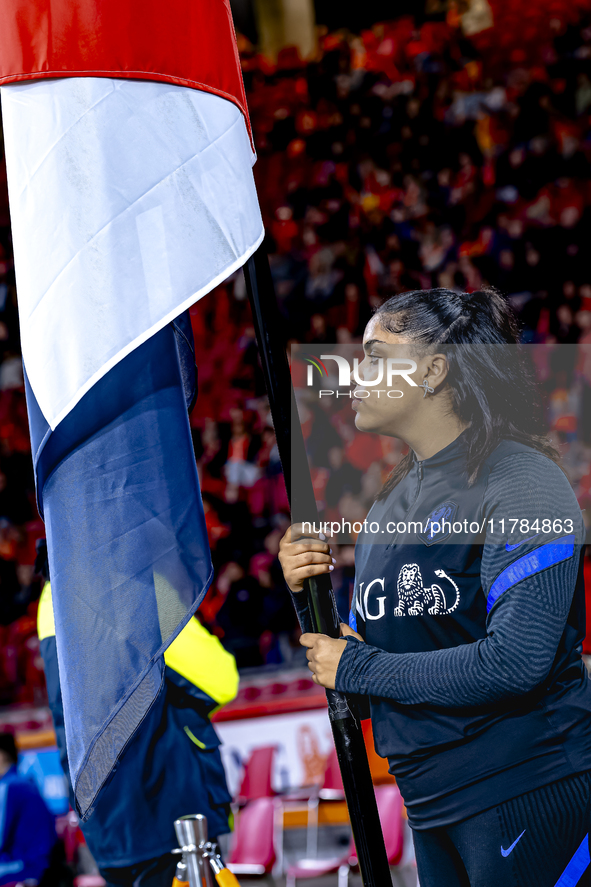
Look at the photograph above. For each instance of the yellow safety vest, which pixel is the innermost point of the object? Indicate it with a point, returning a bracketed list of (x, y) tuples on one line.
[(195, 654), (45, 620)]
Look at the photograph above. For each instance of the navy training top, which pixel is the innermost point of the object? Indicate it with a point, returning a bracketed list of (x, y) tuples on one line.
[(471, 604)]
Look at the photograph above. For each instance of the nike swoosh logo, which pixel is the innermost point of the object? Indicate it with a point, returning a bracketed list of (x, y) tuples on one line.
[(507, 852), (517, 544)]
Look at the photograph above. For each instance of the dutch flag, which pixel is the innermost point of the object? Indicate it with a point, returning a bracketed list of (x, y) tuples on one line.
[(129, 159)]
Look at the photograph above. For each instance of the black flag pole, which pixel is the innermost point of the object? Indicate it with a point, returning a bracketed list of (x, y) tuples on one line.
[(346, 727)]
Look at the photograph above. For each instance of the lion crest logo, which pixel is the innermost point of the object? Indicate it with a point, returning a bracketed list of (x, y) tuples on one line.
[(414, 597)]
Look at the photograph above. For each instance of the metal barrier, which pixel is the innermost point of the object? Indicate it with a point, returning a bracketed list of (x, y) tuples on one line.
[(201, 864)]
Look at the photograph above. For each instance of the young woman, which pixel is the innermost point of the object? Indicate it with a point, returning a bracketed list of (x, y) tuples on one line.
[(468, 611)]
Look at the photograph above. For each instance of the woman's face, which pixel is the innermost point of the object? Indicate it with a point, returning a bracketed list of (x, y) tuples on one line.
[(391, 406)]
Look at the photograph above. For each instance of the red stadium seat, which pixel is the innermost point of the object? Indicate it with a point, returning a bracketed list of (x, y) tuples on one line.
[(258, 770), (253, 847), (332, 787), (390, 807)]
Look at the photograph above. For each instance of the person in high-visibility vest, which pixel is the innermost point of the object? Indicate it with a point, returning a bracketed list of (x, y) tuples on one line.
[(171, 767)]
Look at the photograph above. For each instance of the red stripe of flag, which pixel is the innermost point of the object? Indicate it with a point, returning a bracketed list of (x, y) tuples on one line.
[(186, 42)]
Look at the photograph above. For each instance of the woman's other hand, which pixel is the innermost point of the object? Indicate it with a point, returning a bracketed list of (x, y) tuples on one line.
[(324, 655), (308, 557)]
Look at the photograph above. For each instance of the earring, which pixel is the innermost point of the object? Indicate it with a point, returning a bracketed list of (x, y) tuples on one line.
[(426, 388)]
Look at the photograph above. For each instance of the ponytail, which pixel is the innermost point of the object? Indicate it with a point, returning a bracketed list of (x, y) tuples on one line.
[(493, 389)]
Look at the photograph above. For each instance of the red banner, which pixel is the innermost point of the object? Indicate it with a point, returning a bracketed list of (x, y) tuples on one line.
[(187, 42)]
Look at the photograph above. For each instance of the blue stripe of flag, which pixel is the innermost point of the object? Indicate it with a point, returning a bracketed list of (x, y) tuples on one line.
[(127, 543)]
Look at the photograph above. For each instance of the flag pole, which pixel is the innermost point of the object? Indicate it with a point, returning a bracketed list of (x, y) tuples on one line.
[(346, 726)]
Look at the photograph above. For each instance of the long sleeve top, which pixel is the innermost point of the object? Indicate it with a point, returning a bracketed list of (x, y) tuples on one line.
[(473, 620)]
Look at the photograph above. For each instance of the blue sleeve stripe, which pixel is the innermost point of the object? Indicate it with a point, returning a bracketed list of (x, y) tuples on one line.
[(576, 867), (543, 557), (352, 620)]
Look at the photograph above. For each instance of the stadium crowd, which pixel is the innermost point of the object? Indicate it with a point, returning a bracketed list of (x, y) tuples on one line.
[(403, 157)]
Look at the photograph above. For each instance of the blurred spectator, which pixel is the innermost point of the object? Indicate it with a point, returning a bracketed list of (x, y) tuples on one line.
[(240, 618), (240, 468), (344, 478), (25, 852)]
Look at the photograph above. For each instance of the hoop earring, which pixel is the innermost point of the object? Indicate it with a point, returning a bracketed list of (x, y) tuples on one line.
[(426, 388)]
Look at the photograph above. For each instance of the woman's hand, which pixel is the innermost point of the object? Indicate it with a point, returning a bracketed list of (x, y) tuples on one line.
[(300, 560), (324, 655)]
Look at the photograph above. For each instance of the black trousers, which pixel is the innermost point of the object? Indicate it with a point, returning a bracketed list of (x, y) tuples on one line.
[(540, 839)]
